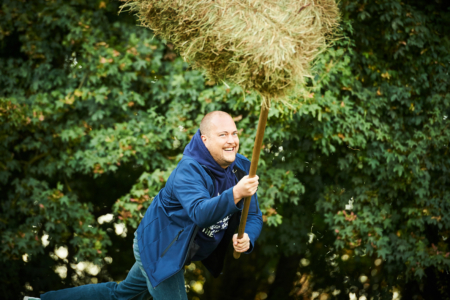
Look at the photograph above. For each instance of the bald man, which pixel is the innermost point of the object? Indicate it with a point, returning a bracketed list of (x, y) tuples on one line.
[(193, 218)]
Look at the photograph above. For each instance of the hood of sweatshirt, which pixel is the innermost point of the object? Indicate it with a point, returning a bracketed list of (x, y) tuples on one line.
[(224, 178)]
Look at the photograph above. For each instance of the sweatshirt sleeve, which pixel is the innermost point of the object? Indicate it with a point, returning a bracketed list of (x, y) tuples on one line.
[(254, 223), (191, 190)]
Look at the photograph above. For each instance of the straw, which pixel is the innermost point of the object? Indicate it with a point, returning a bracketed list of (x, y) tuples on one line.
[(264, 45)]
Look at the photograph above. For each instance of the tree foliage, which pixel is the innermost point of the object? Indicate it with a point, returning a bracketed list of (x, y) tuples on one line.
[(95, 113)]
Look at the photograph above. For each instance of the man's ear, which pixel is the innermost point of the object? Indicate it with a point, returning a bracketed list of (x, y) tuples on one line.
[(204, 138)]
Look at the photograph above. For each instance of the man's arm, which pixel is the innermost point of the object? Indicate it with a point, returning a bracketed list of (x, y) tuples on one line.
[(190, 188), (254, 223)]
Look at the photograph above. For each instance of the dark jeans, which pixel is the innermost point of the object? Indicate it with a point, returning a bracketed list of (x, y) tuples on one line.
[(135, 287)]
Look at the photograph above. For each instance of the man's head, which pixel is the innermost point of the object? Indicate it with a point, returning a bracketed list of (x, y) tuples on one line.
[(220, 136)]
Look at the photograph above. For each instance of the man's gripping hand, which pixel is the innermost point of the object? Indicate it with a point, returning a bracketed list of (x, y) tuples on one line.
[(246, 187), (241, 245)]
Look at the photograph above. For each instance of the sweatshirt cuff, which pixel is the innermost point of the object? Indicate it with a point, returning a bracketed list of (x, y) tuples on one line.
[(251, 247), (240, 205)]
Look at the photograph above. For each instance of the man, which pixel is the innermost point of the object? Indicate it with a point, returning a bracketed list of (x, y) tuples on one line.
[(193, 218)]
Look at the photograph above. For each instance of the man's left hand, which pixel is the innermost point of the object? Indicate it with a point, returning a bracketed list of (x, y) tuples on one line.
[(241, 245)]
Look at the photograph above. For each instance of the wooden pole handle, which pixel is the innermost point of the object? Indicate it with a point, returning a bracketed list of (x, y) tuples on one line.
[(254, 165)]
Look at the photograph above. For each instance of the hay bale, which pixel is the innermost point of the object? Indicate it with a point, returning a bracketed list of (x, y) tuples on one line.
[(265, 45)]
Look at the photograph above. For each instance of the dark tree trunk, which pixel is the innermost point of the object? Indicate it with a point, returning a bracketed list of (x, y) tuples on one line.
[(434, 286), (285, 275), (240, 279)]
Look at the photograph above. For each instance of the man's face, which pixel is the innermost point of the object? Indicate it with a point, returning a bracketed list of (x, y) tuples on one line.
[(222, 140)]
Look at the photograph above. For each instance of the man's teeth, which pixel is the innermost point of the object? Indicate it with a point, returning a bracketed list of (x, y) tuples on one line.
[(229, 149)]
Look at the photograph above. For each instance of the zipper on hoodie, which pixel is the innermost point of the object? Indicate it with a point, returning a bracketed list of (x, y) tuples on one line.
[(196, 228), (212, 177), (171, 243)]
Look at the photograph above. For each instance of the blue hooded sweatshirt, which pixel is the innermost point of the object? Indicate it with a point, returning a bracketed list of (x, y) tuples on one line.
[(208, 238), (188, 202)]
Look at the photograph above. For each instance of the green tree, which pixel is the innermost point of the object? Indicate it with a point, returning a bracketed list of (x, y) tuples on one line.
[(93, 109), (95, 113), (371, 148)]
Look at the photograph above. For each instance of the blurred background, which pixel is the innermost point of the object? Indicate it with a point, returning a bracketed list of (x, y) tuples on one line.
[(95, 113)]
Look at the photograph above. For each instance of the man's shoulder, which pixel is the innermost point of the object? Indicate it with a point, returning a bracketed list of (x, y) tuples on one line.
[(242, 157), (188, 162), (242, 162), (188, 166)]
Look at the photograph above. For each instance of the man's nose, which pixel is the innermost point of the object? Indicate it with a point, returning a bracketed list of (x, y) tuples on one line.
[(230, 140)]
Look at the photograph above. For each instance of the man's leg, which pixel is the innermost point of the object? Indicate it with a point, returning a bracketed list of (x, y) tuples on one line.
[(172, 288), (134, 287)]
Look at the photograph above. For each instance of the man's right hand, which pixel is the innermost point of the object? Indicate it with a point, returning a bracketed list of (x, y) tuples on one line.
[(245, 187)]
